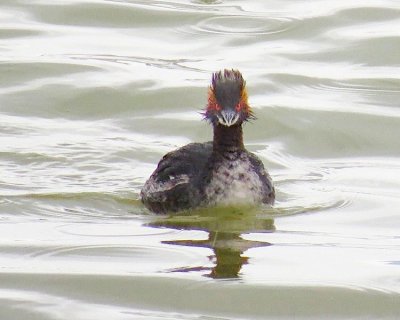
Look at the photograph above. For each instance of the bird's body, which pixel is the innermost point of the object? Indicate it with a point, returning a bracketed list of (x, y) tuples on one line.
[(220, 172)]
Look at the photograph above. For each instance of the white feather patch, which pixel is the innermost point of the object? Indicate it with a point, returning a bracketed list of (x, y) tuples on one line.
[(235, 182), (153, 186)]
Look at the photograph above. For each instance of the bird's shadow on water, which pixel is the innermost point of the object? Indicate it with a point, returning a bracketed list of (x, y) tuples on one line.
[(225, 227)]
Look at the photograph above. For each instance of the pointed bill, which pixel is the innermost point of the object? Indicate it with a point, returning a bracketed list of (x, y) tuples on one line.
[(228, 117)]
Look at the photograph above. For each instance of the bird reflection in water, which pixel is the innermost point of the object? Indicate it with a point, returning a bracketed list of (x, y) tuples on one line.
[(225, 228)]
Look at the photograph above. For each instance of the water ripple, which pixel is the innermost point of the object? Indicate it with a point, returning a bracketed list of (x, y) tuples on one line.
[(244, 25)]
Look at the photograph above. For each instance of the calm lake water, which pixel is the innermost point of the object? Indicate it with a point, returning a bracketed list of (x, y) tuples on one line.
[(93, 93)]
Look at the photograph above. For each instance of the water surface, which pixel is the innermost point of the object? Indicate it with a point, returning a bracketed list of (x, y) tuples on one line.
[(93, 93)]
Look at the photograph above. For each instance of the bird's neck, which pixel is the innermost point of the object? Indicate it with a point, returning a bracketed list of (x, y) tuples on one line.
[(228, 139)]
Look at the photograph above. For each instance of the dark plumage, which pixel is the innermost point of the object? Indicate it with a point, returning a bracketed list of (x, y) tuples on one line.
[(217, 172)]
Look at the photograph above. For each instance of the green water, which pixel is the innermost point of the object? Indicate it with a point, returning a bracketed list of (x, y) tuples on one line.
[(93, 93)]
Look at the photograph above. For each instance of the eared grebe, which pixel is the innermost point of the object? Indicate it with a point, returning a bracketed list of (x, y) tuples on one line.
[(219, 172)]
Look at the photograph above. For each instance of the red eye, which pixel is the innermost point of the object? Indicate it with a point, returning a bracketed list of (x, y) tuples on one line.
[(212, 106), (238, 107)]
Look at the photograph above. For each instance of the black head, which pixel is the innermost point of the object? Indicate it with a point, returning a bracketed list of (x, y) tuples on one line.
[(227, 99)]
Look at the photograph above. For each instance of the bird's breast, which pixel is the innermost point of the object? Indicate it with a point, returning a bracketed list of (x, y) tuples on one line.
[(234, 182)]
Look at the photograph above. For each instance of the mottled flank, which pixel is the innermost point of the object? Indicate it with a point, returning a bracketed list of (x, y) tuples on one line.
[(174, 185), (219, 172)]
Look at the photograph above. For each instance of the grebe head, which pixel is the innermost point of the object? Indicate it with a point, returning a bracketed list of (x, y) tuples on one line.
[(227, 99)]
